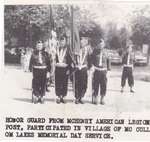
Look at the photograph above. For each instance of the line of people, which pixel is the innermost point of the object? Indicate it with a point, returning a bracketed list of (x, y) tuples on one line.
[(75, 67)]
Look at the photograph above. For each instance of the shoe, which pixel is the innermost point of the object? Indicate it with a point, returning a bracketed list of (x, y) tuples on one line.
[(102, 100), (131, 91), (94, 100), (39, 99), (35, 99), (121, 89), (58, 101), (76, 101), (42, 100), (81, 102), (62, 100)]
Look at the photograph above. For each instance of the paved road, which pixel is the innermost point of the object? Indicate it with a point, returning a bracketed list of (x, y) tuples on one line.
[(16, 88), (16, 101)]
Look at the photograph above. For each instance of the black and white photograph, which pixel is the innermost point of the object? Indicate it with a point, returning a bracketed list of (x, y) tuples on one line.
[(76, 71)]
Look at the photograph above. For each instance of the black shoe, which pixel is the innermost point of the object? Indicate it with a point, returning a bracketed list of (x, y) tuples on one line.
[(131, 91), (76, 101), (35, 99), (102, 102), (94, 100), (58, 101), (62, 100), (81, 102), (41, 100)]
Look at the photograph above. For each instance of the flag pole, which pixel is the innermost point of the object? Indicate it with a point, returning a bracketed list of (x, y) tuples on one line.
[(50, 23), (72, 43), (72, 22), (51, 17)]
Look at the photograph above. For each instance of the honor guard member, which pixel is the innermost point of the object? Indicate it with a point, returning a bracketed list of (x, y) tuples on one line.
[(39, 65), (99, 62), (62, 69), (128, 63), (81, 69)]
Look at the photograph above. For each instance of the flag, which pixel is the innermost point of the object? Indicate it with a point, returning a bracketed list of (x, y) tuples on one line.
[(75, 38)]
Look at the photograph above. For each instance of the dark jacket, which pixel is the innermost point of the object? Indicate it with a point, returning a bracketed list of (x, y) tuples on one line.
[(67, 58), (125, 58), (86, 51), (35, 60), (95, 58)]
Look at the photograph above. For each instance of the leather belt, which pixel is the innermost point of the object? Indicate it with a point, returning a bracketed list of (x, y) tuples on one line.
[(39, 67), (128, 66), (61, 65), (100, 69), (81, 66)]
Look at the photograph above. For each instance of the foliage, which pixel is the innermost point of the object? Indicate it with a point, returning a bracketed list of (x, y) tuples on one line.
[(115, 38), (29, 23), (141, 26), (21, 20)]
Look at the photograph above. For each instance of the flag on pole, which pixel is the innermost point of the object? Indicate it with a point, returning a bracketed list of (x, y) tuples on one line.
[(75, 38)]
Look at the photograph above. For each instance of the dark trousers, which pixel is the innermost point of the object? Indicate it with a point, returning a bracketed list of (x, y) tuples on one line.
[(127, 74), (99, 79), (39, 82), (61, 81), (80, 83)]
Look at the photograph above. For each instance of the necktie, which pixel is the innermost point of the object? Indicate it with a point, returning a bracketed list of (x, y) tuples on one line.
[(80, 57), (100, 59), (83, 53), (128, 60), (61, 54), (40, 58)]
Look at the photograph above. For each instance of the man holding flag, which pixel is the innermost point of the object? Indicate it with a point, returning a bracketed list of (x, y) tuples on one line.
[(81, 68), (79, 51)]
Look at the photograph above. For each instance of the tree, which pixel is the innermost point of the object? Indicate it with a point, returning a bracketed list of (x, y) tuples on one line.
[(21, 21), (29, 23), (141, 26), (112, 36), (123, 36)]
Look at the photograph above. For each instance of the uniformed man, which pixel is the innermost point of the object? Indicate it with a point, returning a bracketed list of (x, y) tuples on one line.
[(128, 63), (62, 69), (81, 69), (99, 62), (39, 65)]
